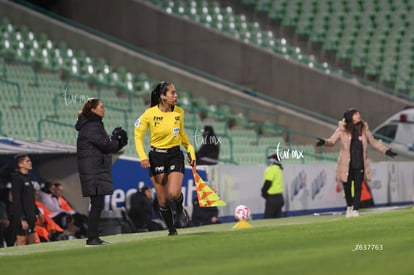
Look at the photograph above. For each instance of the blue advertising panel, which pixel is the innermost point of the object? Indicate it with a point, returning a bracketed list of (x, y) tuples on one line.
[(128, 176)]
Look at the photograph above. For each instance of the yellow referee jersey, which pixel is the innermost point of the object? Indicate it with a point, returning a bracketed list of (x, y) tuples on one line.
[(166, 130)]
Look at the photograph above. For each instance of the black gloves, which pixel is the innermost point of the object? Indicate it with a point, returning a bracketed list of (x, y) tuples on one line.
[(390, 153), (121, 135), (320, 142)]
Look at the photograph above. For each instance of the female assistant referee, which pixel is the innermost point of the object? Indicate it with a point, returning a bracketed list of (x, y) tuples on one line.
[(165, 159)]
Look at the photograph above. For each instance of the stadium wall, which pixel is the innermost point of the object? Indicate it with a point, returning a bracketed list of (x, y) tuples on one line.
[(141, 24), (308, 188)]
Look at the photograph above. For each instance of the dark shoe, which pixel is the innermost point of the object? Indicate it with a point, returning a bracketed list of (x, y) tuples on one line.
[(172, 232), (94, 242)]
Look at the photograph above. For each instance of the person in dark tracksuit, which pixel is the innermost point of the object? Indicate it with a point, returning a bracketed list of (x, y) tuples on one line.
[(272, 189), (142, 211), (94, 154), (208, 153), (203, 215), (23, 207)]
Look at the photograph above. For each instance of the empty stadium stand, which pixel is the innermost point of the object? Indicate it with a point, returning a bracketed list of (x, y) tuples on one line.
[(369, 39), (44, 83), (58, 74), (289, 76)]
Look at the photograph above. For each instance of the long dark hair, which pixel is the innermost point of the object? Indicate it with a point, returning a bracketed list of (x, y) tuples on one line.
[(350, 127), (159, 90), (87, 107)]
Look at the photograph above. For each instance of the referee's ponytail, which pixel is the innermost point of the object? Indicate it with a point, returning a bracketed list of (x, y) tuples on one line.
[(159, 90)]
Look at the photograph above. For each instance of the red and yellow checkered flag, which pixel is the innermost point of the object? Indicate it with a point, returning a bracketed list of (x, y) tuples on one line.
[(207, 196)]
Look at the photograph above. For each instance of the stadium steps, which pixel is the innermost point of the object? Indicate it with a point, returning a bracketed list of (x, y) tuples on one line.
[(368, 40)]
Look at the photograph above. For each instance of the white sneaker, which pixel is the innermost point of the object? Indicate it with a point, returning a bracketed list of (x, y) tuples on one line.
[(355, 213), (349, 212)]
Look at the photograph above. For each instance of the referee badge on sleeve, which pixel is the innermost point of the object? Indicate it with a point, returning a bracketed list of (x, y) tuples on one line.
[(137, 123), (176, 131)]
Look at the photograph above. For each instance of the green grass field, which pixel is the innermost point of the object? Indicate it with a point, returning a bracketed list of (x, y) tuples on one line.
[(297, 245)]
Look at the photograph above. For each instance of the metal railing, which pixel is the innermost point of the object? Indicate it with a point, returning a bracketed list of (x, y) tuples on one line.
[(41, 122), (19, 91), (1, 121)]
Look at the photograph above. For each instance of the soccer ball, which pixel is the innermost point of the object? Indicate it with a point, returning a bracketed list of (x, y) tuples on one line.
[(242, 212)]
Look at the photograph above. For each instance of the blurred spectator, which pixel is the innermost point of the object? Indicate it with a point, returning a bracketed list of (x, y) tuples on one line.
[(62, 212), (46, 228), (208, 153), (4, 215), (49, 199), (203, 215), (142, 211), (9, 233), (77, 219), (24, 210)]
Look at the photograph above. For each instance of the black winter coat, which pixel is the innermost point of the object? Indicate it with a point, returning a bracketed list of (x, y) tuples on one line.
[(208, 153), (94, 154), (202, 215)]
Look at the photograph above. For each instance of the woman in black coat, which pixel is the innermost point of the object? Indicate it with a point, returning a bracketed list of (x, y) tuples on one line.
[(94, 149)]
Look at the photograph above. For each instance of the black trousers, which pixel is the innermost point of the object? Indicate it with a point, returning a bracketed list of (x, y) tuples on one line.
[(10, 232), (2, 229), (356, 175), (273, 206), (97, 204)]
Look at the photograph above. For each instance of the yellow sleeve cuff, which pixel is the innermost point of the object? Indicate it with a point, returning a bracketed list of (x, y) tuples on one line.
[(191, 151)]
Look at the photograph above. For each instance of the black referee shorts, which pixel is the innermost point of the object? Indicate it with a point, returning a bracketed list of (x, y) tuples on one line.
[(166, 161)]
